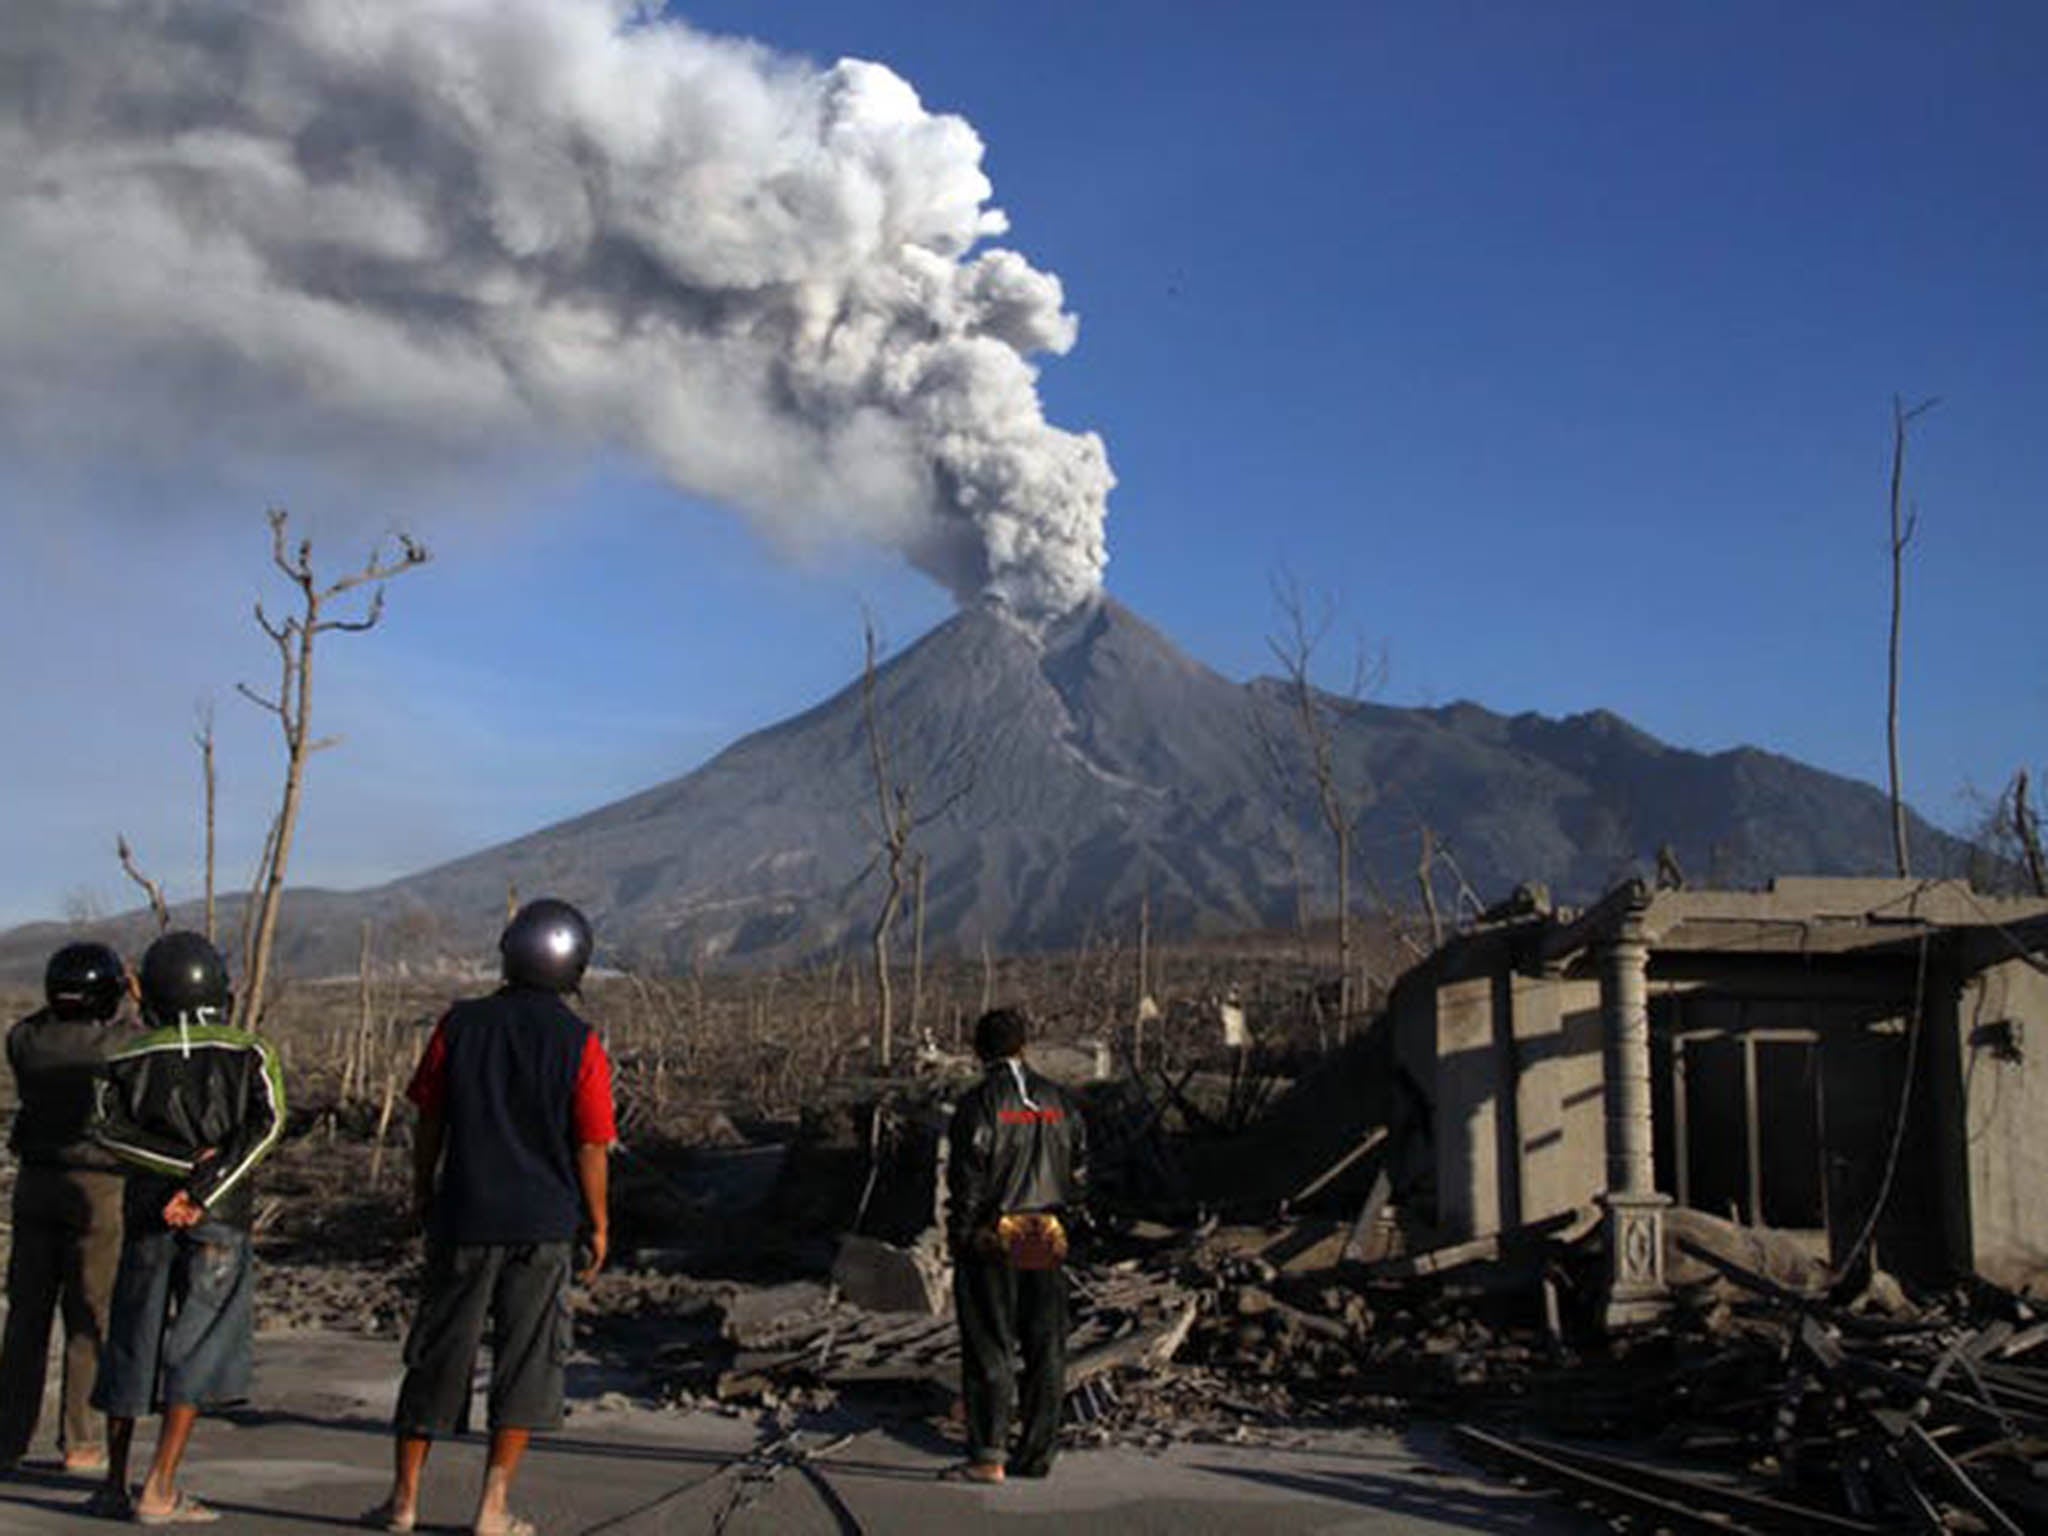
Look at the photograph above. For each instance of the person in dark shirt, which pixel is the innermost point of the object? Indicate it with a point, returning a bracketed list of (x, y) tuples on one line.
[(67, 1203), (515, 1122), (192, 1106), (1016, 1172)]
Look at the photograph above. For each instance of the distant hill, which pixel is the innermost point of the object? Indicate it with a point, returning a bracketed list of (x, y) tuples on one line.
[(1088, 770)]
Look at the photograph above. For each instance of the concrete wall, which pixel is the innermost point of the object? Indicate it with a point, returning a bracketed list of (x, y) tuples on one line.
[(1468, 1075), (1561, 1123), (2001, 1032), (1514, 1068)]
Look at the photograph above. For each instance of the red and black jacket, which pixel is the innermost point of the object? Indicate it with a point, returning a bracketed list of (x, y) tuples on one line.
[(1017, 1143)]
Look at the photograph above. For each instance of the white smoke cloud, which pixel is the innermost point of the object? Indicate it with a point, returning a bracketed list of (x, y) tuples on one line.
[(300, 227)]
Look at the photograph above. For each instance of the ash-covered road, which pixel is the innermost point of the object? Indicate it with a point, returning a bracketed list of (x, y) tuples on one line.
[(313, 1452)]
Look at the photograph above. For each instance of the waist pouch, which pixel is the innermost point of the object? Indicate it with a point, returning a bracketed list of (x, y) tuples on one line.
[(1031, 1240)]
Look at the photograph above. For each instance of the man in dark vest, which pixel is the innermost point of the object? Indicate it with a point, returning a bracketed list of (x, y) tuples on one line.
[(67, 1203), (1016, 1172), (515, 1121)]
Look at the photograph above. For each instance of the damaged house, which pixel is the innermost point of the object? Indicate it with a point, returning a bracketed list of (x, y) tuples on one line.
[(1848, 1061)]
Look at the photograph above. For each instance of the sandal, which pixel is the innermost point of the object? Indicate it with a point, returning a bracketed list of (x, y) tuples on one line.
[(184, 1510), (514, 1526)]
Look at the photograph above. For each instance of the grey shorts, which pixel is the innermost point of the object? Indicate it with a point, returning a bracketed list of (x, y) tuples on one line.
[(522, 1290), (178, 1333)]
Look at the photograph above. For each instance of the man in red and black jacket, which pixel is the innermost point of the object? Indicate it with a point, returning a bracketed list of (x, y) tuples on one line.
[(515, 1102), (1016, 1172)]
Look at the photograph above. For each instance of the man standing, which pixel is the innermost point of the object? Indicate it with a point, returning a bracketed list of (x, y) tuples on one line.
[(67, 1204), (193, 1106), (1015, 1173), (515, 1116)]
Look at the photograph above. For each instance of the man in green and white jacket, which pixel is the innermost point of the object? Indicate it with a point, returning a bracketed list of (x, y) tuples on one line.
[(191, 1107)]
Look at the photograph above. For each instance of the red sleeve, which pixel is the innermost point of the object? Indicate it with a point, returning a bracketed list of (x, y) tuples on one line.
[(429, 1086), (591, 1111)]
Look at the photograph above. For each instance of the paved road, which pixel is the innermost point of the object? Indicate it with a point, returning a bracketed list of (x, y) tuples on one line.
[(316, 1453)]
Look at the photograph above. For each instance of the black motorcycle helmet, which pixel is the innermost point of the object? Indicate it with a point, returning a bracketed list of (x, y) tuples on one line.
[(84, 981), (183, 975), (546, 945)]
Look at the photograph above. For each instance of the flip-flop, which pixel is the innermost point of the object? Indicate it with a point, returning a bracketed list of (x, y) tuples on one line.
[(515, 1525), (184, 1510), (380, 1518)]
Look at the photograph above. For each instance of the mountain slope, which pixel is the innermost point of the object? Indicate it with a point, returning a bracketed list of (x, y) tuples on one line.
[(1077, 775), (1069, 777)]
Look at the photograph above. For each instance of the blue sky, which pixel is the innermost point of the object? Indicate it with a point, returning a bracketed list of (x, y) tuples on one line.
[(1556, 343)]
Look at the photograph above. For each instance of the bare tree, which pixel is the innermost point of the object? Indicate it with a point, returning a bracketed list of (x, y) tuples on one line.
[(292, 707), (897, 821), (2026, 828), (924, 868), (203, 739), (1904, 526), (150, 888), (1425, 880), (82, 906), (1313, 713), (2006, 853)]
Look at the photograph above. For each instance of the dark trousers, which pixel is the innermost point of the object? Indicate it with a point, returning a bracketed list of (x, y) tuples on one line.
[(1007, 1315), (67, 1241), (522, 1291)]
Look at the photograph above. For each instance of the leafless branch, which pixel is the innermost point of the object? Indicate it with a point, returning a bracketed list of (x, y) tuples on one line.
[(2026, 827), (1901, 536), (894, 823), (268, 705), (1426, 883), (1303, 627), (203, 739), (150, 888), (292, 707)]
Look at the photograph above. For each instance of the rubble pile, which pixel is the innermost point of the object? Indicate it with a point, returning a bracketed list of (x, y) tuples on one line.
[(1930, 1417), (806, 1337), (1763, 1402)]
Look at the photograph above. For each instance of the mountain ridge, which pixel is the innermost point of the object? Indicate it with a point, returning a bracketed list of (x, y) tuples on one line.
[(1078, 772)]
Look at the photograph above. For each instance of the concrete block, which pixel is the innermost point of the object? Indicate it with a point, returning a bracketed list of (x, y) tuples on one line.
[(882, 1277)]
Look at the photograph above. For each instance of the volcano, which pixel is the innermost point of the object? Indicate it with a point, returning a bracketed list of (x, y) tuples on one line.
[(1064, 777)]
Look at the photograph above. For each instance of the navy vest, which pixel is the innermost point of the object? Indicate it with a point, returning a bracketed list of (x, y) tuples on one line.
[(508, 1173)]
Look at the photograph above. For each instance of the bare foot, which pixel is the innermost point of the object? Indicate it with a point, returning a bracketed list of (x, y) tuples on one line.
[(388, 1517)]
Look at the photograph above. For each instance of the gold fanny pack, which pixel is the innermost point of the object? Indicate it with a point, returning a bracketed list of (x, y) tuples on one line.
[(1030, 1240)]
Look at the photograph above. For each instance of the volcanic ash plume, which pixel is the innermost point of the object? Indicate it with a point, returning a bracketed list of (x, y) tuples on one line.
[(360, 225)]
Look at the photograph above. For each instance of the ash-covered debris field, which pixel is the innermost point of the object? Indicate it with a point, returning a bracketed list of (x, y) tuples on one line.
[(1255, 1273)]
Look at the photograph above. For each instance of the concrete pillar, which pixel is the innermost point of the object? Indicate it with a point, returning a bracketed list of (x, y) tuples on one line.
[(1636, 1291), (1625, 1011)]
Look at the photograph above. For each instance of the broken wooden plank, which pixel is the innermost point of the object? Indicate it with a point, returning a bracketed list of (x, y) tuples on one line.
[(1980, 1503), (1759, 1510), (1148, 1348), (1667, 1513), (1564, 1226), (1364, 1145), (2024, 1340), (1369, 1214), (1742, 1274)]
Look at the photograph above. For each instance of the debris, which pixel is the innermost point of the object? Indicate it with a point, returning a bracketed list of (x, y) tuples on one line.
[(886, 1277)]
